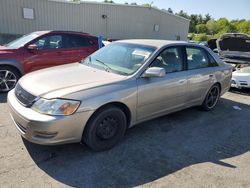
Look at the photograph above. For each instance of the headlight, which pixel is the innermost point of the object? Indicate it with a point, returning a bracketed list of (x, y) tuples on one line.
[(56, 106)]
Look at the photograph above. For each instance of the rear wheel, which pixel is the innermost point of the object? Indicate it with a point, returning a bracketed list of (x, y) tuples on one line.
[(105, 129), (8, 78), (212, 98)]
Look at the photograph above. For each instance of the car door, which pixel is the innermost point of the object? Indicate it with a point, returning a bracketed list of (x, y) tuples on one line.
[(78, 47), (200, 74), (88, 45), (158, 96), (48, 53)]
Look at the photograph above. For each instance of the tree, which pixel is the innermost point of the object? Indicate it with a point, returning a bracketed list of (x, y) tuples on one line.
[(170, 10), (212, 27), (147, 5), (108, 1), (200, 37), (200, 19), (193, 23), (182, 14), (75, 1), (201, 28), (207, 18), (244, 27)]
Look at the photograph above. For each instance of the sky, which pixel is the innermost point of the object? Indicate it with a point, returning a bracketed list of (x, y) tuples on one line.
[(230, 9)]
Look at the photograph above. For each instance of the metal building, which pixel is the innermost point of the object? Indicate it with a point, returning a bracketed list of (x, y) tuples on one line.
[(116, 21)]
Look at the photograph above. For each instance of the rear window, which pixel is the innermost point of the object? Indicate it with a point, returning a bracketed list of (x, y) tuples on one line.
[(76, 41)]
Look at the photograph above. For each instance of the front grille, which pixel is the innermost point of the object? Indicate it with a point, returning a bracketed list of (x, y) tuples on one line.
[(24, 97), (243, 83)]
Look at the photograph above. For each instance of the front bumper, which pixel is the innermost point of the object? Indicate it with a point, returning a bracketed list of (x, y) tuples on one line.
[(45, 129), (240, 84)]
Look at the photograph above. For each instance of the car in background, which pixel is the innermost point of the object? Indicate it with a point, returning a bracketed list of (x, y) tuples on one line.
[(241, 78), (116, 87), (234, 48), (40, 50)]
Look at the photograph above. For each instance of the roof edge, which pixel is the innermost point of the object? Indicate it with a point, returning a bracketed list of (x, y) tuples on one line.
[(119, 4)]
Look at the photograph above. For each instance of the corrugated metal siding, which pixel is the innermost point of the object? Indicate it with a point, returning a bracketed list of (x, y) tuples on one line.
[(123, 21)]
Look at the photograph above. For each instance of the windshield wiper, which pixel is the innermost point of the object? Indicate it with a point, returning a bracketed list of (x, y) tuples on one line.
[(107, 67)]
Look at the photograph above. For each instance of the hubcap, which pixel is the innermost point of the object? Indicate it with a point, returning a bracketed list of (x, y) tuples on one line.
[(7, 80), (107, 128), (212, 97)]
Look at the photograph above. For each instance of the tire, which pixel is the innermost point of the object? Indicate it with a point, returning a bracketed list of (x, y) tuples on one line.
[(105, 129), (8, 78), (212, 98)]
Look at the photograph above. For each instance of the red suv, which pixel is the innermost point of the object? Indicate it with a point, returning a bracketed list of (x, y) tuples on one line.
[(42, 49)]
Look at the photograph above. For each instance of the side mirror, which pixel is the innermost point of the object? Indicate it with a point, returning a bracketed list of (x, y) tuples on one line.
[(32, 47), (154, 72)]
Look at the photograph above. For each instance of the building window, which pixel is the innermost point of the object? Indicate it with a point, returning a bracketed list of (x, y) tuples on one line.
[(28, 13)]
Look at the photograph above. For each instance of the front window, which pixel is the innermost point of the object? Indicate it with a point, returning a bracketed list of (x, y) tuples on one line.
[(170, 59), (121, 58), (21, 41), (49, 42)]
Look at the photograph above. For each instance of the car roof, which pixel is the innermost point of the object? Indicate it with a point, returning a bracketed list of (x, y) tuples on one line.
[(152, 42), (62, 31)]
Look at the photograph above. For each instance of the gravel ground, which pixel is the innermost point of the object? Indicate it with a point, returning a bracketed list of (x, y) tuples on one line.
[(190, 148)]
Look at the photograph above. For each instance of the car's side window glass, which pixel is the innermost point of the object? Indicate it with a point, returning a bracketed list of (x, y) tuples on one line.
[(170, 59), (196, 58), (49, 42), (75, 41), (213, 63)]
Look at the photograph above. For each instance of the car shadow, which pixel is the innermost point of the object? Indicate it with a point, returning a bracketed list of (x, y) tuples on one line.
[(243, 91), (153, 149), (3, 97)]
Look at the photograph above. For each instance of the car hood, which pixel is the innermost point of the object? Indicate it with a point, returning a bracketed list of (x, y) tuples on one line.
[(66, 79), (234, 48), (5, 50)]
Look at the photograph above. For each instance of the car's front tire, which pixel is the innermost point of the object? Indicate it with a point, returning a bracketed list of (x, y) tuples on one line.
[(8, 78), (105, 129), (212, 98)]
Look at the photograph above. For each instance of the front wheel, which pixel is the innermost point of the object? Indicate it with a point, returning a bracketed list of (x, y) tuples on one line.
[(105, 129), (8, 78), (212, 98)]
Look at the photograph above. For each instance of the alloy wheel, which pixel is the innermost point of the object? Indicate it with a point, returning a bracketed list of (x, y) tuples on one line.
[(212, 97), (8, 80)]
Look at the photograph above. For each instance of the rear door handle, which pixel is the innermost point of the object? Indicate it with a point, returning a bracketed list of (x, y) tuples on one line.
[(211, 75), (181, 81)]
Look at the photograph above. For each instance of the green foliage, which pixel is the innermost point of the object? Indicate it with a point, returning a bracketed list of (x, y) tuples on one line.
[(206, 25), (244, 27), (212, 27), (201, 28), (200, 37), (146, 5)]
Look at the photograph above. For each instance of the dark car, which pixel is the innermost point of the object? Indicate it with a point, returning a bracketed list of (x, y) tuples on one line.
[(42, 49)]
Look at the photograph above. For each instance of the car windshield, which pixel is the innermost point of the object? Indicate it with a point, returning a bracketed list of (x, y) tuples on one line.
[(120, 58), (21, 41)]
